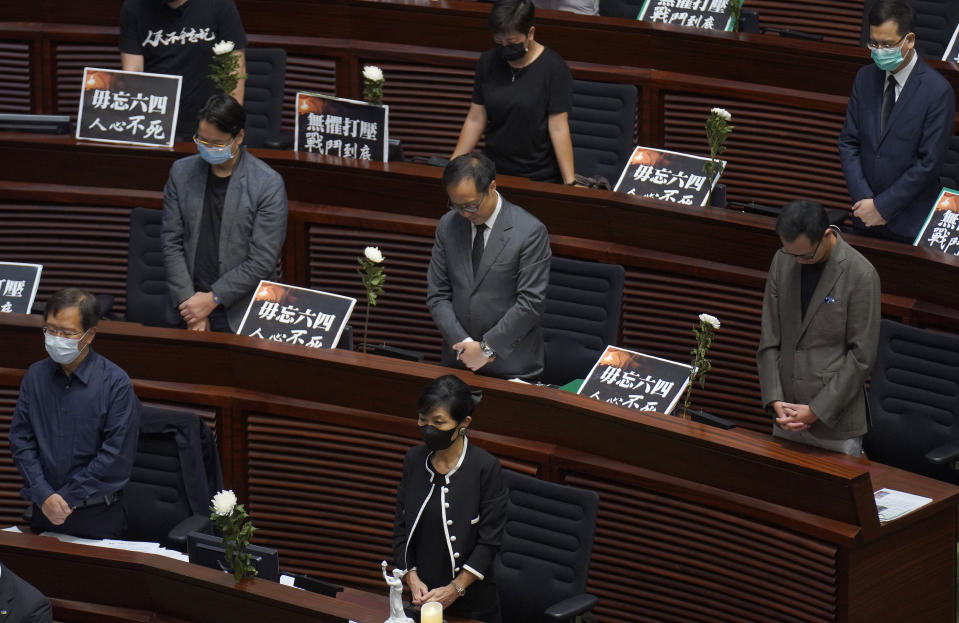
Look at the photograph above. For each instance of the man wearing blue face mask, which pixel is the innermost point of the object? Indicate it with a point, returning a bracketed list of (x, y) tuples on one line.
[(898, 123), (224, 222), (74, 430)]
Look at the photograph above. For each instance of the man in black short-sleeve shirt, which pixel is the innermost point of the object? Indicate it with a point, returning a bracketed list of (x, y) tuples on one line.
[(177, 38), (519, 103)]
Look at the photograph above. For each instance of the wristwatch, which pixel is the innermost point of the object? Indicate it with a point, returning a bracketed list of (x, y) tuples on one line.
[(459, 589), (488, 352)]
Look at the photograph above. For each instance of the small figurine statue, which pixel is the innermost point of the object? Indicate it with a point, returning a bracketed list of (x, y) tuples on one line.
[(396, 595)]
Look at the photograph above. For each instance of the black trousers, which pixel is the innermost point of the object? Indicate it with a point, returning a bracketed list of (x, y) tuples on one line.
[(92, 522)]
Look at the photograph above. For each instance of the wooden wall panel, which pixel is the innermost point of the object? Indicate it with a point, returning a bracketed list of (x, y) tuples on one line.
[(306, 73), (659, 558), (82, 246), (837, 22), (15, 85), (776, 153), (11, 504), (71, 58), (400, 317)]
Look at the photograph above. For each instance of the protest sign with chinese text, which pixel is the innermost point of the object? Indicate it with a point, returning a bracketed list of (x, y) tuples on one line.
[(636, 381), (704, 14), (667, 176), (282, 313), (952, 50), (18, 286), (333, 126), (128, 107), (941, 229)]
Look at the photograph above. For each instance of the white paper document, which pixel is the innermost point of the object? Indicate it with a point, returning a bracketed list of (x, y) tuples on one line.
[(893, 504)]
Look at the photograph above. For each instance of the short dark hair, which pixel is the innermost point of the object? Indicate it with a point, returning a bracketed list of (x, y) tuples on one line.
[(508, 16), (898, 10), (74, 297), (802, 217), (475, 166), (450, 393), (225, 113)]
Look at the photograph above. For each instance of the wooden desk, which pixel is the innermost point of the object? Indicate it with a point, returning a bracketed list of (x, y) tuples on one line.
[(695, 523)]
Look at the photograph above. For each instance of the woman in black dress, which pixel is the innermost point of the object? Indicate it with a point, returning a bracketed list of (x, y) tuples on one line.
[(450, 509), (521, 100)]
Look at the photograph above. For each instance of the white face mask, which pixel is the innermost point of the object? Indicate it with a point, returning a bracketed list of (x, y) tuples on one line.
[(63, 350)]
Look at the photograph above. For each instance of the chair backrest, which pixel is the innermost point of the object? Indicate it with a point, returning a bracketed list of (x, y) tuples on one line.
[(935, 22), (621, 8), (175, 473), (148, 300), (581, 316), (601, 123), (263, 97), (949, 172), (913, 398), (547, 546)]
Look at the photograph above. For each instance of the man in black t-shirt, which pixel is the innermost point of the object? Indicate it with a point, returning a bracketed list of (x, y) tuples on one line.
[(177, 38)]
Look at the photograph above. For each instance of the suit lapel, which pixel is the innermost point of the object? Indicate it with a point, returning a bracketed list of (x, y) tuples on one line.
[(231, 203), (6, 594), (196, 192), (791, 305), (498, 238), (912, 86), (830, 275)]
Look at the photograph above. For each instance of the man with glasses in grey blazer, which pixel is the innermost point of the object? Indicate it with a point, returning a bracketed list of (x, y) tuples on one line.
[(487, 276)]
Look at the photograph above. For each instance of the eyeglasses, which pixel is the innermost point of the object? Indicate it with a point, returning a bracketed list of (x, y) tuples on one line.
[(472, 208), (200, 141), (877, 45), (60, 332), (805, 256)]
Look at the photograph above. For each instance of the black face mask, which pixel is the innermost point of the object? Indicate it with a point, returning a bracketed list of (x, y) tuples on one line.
[(436, 439), (511, 51)]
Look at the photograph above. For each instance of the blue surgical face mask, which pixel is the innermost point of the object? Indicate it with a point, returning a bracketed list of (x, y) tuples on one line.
[(216, 155), (63, 350), (888, 59)]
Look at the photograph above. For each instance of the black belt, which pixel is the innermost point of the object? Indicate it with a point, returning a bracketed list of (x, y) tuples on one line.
[(109, 499)]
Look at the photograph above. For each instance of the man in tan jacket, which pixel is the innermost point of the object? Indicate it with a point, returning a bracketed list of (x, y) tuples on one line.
[(820, 330)]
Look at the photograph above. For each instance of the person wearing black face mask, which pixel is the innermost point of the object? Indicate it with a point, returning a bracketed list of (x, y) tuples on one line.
[(450, 509), (522, 94)]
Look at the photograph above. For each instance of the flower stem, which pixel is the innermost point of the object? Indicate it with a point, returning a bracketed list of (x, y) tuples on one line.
[(366, 325)]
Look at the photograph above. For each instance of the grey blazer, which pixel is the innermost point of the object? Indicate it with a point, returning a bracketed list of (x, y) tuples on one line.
[(252, 230), (824, 359), (503, 303)]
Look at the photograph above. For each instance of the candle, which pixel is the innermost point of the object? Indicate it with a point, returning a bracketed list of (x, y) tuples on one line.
[(431, 612)]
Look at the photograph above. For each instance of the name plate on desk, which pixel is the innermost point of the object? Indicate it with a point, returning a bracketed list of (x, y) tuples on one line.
[(703, 14), (941, 229), (667, 176), (636, 381), (128, 107), (345, 128), (292, 315), (18, 286)]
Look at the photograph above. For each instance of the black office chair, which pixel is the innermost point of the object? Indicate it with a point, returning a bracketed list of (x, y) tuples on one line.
[(601, 123), (620, 8), (175, 475), (949, 171), (914, 401), (581, 316), (148, 300), (263, 98), (543, 565), (935, 22)]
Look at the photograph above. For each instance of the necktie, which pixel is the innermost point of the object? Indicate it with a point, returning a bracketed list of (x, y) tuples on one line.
[(478, 245), (888, 100)]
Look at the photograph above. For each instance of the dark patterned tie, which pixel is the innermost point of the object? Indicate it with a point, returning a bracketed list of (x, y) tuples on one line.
[(888, 100), (478, 246)]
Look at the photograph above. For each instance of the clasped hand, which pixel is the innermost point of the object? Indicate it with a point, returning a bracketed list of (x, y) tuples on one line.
[(56, 509), (865, 210), (470, 353), (420, 594), (196, 310), (793, 417)]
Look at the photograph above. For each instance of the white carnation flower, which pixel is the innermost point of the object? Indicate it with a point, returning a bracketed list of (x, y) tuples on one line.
[(713, 320), (373, 73), (224, 502), (223, 47), (722, 112), (373, 254)]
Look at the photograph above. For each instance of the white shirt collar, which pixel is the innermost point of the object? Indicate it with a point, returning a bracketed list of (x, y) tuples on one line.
[(491, 220)]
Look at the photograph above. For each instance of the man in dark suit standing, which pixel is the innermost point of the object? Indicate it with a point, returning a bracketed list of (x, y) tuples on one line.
[(820, 332), (488, 275), (898, 123), (20, 602)]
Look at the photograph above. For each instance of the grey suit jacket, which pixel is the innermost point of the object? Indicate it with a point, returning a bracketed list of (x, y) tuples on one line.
[(252, 230), (503, 303), (20, 602), (824, 358)]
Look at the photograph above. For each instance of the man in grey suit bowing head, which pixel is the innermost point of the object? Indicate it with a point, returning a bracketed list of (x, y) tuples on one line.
[(488, 275)]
